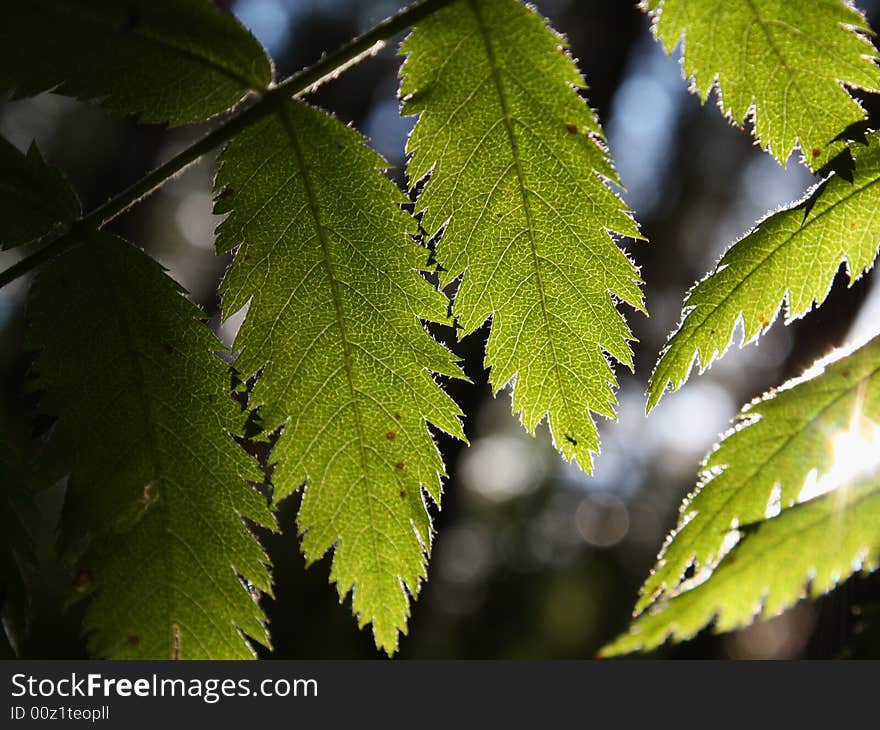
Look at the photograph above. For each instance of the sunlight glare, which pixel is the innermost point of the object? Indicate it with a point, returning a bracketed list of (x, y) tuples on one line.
[(856, 454)]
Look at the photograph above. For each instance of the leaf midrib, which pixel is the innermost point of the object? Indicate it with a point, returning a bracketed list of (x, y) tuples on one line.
[(339, 310), (790, 72), (523, 189), (152, 439), (713, 309)]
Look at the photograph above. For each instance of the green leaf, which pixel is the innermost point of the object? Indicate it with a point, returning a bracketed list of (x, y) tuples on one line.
[(34, 197), (326, 260), (16, 548), (156, 482), (805, 551), (777, 443), (791, 256), (172, 60), (781, 64), (518, 183)]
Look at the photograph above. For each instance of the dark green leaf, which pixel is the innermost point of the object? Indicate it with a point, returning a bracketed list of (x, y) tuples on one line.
[(156, 485), (34, 197), (170, 60)]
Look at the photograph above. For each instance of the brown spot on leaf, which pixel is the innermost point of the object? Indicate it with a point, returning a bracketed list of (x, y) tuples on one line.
[(150, 497), (402, 494), (134, 640), (399, 465), (571, 439), (83, 581), (396, 416), (816, 152), (391, 435), (571, 128)]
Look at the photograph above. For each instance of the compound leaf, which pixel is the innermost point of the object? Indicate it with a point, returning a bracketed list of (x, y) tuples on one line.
[(327, 261), (804, 551), (34, 197), (791, 256), (779, 442), (172, 60), (517, 167), (156, 489), (783, 64)]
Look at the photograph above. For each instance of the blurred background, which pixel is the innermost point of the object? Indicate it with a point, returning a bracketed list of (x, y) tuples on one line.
[(533, 559)]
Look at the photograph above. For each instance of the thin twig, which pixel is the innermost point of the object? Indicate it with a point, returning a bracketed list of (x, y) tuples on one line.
[(304, 81)]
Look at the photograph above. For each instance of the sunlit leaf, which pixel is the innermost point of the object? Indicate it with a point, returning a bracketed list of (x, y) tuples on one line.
[(804, 552), (327, 261), (783, 64), (811, 436), (791, 257), (518, 184)]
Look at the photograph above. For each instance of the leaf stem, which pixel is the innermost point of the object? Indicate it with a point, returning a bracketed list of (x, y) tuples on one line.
[(302, 82)]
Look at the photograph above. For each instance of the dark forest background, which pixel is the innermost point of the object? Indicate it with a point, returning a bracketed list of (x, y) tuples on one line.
[(533, 559)]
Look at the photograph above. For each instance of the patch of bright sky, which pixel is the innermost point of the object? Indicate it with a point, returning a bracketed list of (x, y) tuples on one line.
[(682, 428), (867, 322), (387, 130), (642, 126), (269, 20)]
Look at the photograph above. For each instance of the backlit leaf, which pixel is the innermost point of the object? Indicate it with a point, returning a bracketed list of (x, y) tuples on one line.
[(156, 489), (813, 435), (791, 256), (171, 60), (326, 259), (518, 184), (784, 64)]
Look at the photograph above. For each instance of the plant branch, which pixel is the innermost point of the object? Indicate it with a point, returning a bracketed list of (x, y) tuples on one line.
[(302, 82)]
